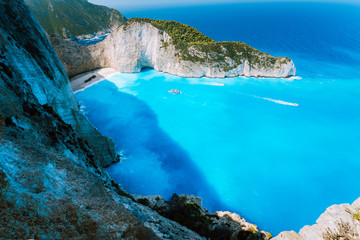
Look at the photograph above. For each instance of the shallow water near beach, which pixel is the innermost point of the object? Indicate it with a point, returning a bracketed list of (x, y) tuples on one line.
[(276, 151)]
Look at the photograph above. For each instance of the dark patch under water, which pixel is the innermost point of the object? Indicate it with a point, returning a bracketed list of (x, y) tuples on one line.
[(153, 163)]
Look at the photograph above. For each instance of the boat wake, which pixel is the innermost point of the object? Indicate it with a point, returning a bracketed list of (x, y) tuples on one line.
[(213, 84), (279, 101), (207, 83)]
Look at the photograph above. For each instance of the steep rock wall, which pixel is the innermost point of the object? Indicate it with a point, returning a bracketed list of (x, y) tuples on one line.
[(32, 56)]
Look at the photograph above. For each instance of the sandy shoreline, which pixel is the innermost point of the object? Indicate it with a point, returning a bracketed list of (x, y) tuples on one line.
[(84, 80)]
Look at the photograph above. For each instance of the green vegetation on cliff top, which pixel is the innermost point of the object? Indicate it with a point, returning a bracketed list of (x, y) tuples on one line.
[(195, 46), (68, 18), (180, 33)]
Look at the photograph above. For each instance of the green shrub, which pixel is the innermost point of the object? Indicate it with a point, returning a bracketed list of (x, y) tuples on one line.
[(356, 215), (179, 33)]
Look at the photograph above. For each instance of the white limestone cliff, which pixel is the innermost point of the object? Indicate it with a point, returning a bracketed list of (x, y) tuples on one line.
[(136, 45)]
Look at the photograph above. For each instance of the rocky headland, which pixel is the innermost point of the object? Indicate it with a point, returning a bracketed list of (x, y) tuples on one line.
[(173, 48)]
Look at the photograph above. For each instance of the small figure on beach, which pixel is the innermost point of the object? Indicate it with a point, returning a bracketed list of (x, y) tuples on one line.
[(90, 78)]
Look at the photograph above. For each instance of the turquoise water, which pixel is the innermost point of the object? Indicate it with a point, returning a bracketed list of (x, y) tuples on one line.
[(277, 151)]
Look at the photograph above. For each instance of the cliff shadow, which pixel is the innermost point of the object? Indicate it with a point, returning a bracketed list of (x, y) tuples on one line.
[(152, 163)]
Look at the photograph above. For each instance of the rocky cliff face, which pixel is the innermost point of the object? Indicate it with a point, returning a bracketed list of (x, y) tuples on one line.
[(31, 55), (337, 222), (52, 184), (141, 43)]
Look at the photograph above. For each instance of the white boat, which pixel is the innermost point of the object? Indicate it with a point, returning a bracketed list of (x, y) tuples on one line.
[(174, 91)]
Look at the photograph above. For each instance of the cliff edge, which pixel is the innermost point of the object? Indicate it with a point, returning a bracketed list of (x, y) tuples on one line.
[(173, 48), (29, 53)]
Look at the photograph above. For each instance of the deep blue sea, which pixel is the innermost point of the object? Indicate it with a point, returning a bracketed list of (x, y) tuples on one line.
[(244, 146)]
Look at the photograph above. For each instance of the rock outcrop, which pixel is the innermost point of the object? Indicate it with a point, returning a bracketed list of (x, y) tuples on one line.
[(187, 210), (142, 43), (75, 19), (337, 222)]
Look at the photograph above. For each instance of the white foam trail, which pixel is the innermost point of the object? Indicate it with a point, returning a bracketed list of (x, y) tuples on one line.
[(208, 83), (279, 101), (214, 84)]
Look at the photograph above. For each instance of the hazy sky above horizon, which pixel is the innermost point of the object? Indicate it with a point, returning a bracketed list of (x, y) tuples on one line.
[(141, 4)]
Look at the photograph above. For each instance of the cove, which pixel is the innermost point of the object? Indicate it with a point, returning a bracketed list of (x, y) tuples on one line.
[(276, 151), (235, 141)]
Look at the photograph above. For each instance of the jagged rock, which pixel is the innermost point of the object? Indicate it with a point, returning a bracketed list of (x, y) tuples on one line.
[(138, 44), (187, 210), (337, 222)]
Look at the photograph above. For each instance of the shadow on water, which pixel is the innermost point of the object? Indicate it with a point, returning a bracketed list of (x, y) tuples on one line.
[(153, 163)]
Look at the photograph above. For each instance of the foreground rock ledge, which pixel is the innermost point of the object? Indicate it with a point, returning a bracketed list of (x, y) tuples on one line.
[(142, 43), (187, 210)]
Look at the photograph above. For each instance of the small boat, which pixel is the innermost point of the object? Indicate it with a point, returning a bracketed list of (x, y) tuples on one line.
[(174, 91)]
